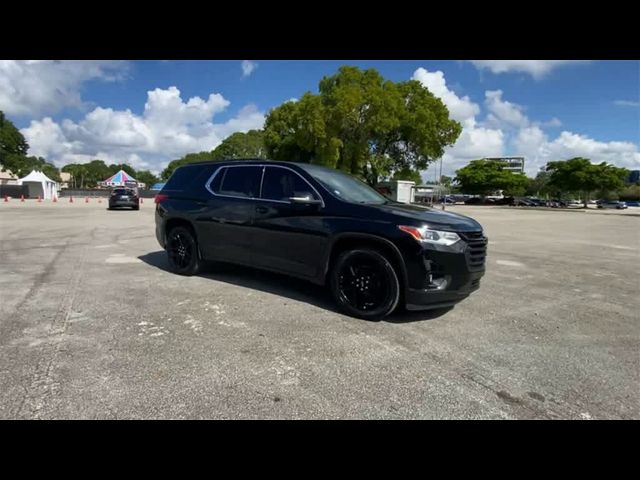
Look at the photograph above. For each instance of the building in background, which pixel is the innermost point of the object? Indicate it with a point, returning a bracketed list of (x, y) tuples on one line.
[(8, 178), (65, 178), (512, 164), (634, 176)]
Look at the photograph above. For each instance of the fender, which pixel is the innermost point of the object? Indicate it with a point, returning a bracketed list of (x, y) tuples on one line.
[(363, 236)]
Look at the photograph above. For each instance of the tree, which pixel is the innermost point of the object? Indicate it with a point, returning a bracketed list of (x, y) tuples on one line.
[(580, 175), (189, 158), (446, 181), (408, 174), (146, 177), (12, 143), (78, 174), (483, 177), (362, 124), (115, 168), (241, 146), (238, 146)]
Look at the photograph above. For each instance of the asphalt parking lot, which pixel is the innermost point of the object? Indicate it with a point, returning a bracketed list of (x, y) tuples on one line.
[(93, 326)]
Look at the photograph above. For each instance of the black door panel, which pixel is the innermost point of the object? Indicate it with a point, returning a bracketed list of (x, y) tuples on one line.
[(226, 223), (288, 237)]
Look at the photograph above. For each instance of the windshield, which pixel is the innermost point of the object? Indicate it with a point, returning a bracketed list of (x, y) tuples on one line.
[(344, 186), (123, 191)]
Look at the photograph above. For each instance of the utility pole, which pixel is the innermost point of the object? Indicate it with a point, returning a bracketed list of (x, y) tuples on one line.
[(440, 183)]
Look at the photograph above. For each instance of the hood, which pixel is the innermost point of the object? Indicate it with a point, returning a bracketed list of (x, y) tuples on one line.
[(432, 217)]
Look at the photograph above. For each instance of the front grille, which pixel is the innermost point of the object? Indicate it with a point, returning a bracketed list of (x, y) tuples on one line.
[(477, 251)]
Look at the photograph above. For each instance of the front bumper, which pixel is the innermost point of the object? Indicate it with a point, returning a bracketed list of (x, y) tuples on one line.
[(427, 299), (443, 276)]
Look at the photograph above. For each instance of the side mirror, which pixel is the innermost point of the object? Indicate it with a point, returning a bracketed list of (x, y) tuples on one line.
[(304, 201)]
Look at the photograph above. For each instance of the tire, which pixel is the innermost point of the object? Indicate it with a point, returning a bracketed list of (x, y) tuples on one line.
[(364, 284), (182, 251), (137, 208)]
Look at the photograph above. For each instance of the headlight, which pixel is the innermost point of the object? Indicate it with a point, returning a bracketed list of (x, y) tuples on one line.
[(428, 235)]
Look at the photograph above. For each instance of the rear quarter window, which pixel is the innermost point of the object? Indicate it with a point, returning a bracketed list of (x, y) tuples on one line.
[(190, 179)]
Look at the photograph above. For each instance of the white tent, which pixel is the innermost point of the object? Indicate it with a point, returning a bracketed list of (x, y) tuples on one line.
[(39, 184)]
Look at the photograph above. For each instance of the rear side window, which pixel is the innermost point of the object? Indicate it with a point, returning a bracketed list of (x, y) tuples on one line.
[(190, 180), (182, 177), (238, 182), (282, 184)]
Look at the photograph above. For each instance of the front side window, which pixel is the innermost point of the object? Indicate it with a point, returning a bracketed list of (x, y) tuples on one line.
[(238, 182), (281, 184), (344, 186)]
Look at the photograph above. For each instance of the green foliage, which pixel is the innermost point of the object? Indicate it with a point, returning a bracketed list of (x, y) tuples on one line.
[(12, 143), (241, 145), (235, 147), (146, 177), (483, 177), (632, 192), (115, 168), (87, 175), (446, 181), (580, 175), (13, 153), (408, 174), (189, 158), (362, 124)]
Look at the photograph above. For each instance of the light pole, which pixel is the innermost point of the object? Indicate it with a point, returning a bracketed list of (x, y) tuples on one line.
[(440, 183)]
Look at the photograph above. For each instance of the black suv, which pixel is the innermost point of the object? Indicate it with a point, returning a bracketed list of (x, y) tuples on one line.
[(323, 226), (124, 197)]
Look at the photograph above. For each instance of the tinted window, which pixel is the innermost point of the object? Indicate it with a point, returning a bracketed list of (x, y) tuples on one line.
[(123, 191), (282, 184), (182, 176), (345, 186), (240, 181)]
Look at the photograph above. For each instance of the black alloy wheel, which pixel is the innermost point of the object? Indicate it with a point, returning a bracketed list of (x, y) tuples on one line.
[(365, 284), (182, 251)]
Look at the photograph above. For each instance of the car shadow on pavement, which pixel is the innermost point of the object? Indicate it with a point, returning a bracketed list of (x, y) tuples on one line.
[(281, 285)]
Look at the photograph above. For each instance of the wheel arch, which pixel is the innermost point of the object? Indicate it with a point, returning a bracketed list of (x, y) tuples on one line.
[(351, 240)]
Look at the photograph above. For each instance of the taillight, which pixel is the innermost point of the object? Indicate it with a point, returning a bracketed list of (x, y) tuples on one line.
[(160, 197)]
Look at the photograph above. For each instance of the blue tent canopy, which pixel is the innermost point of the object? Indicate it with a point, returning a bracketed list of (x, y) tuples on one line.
[(158, 186)]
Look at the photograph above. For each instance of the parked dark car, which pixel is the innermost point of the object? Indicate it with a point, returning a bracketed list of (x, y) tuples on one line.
[(323, 226), (124, 197), (479, 201), (633, 203), (612, 204)]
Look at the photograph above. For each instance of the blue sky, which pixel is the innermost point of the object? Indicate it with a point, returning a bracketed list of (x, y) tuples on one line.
[(75, 111)]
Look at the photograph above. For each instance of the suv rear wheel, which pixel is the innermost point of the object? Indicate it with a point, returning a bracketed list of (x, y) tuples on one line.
[(182, 251), (364, 284)]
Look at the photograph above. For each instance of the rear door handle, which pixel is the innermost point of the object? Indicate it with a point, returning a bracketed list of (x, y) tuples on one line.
[(262, 209)]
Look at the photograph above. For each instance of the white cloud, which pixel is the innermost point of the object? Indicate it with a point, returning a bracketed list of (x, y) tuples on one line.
[(461, 109), (167, 129), (536, 68), (475, 141), (248, 67), (36, 88), (503, 113), (554, 122), (627, 103), (508, 131)]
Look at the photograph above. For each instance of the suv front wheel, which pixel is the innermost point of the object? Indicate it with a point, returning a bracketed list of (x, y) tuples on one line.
[(364, 284)]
